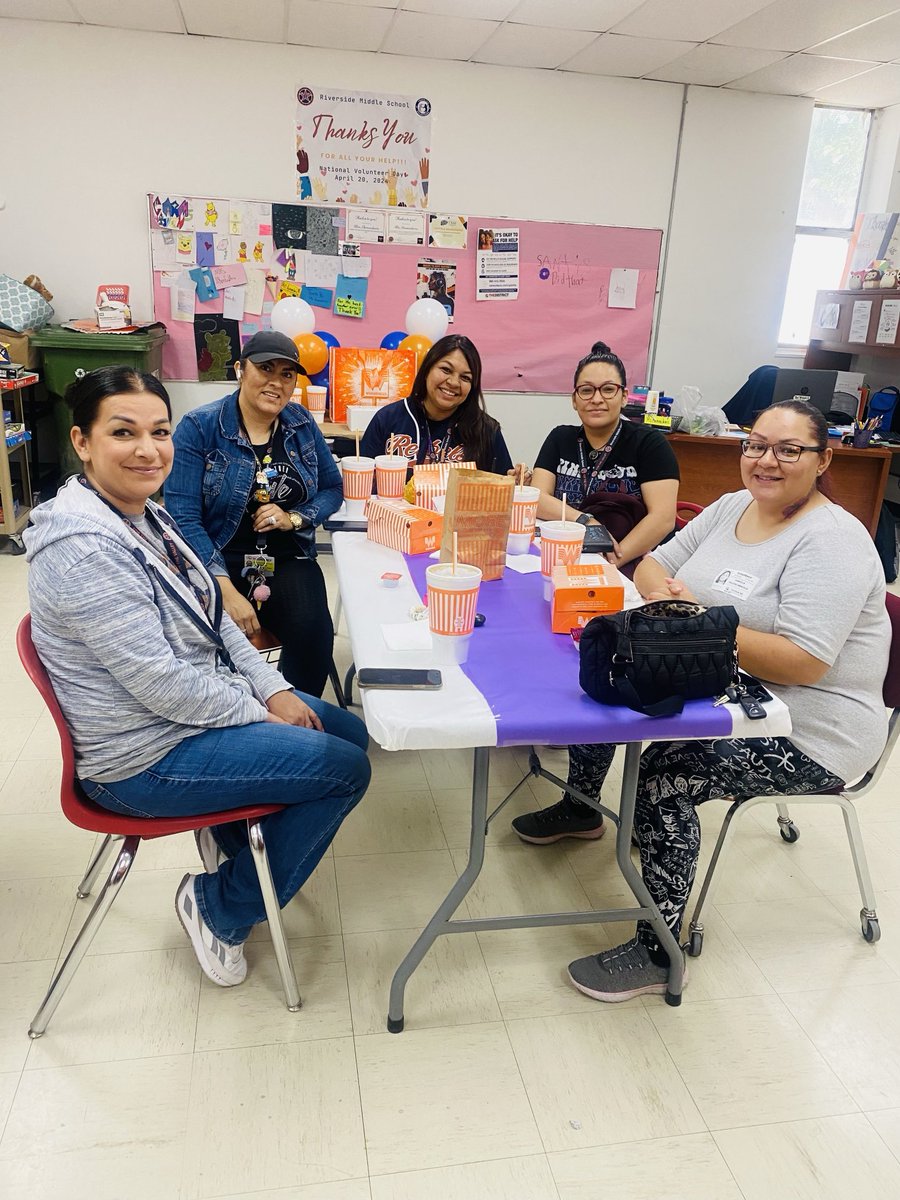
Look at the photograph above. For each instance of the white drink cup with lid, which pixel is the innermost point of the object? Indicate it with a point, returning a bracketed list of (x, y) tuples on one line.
[(452, 602), (561, 544), (522, 520), (357, 476), (390, 475)]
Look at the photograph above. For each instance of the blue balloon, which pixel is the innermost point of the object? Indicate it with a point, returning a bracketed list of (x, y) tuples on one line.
[(391, 340), (320, 379), (328, 338)]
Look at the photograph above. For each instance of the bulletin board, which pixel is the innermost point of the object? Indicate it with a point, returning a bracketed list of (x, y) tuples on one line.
[(529, 344)]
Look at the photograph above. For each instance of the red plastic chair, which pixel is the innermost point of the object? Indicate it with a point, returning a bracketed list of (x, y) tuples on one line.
[(684, 512), (844, 797), (129, 832)]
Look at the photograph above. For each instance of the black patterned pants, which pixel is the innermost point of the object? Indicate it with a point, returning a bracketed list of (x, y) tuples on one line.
[(675, 778)]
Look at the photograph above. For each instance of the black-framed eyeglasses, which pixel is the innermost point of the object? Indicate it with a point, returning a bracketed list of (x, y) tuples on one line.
[(783, 451), (608, 390)]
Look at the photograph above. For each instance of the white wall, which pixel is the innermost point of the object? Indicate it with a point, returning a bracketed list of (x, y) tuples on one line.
[(119, 113)]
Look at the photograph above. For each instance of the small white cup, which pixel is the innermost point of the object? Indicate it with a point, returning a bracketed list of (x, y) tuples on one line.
[(390, 475), (519, 543), (316, 395), (452, 600)]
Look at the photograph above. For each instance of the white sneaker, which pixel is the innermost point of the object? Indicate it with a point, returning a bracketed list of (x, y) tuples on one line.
[(208, 848), (224, 965)]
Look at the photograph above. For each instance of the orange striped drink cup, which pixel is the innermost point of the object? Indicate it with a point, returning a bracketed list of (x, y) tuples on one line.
[(561, 543), (452, 600), (390, 475), (524, 515), (357, 476)]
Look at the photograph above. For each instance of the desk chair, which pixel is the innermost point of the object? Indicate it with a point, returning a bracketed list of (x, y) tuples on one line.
[(684, 512), (844, 797), (127, 833)]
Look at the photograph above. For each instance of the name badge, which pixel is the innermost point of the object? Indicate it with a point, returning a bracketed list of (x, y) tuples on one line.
[(264, 563), (739, 584)]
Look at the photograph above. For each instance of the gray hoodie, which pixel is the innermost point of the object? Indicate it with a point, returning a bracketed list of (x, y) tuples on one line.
[(130, 650)]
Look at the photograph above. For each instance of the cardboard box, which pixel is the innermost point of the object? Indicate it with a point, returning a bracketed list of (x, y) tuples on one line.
[(583, 591), (20, 350), (403, 527)]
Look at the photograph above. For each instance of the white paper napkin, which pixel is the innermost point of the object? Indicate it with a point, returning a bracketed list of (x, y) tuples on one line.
[(407, 635)]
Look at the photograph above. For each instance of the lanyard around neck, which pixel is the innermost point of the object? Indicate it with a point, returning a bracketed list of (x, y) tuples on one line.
[(598, 458)]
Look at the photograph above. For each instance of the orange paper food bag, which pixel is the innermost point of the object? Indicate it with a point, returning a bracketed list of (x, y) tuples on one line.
[(478, 510)]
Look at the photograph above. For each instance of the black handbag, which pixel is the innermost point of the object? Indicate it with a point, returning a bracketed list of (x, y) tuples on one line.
[(656, 657)]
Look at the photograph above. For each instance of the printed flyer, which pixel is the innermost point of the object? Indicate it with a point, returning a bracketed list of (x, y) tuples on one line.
[(437, 281), (448, 230), (497, 264), (362, 148)]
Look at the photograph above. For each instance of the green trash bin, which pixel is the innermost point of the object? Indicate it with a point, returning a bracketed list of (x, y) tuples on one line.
[(65, 355)]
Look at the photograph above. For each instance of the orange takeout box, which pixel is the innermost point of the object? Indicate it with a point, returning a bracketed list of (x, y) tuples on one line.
[(582, 591), (404, 527)]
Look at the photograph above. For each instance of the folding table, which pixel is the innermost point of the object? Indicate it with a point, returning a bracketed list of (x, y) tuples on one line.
[(518, 688)]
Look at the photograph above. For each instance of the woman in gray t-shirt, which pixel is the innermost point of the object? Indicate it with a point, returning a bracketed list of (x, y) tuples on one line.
[(808, 586)]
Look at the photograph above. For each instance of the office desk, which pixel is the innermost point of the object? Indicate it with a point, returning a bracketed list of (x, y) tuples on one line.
[(710, 467), (520, 687)]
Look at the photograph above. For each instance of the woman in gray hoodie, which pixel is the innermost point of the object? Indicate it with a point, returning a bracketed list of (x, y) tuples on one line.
[(170, 708)]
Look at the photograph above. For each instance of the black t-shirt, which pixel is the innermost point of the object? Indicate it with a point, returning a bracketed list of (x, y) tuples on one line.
[(287, 490), (641, 455)]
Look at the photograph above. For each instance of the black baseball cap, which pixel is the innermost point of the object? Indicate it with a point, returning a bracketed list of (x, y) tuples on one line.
[(269, 345)]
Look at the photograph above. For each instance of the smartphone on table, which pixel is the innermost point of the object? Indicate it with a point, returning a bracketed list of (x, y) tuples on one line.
[(399, 678)]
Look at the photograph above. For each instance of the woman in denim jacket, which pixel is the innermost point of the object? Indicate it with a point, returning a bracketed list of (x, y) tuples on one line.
[(252, 478)]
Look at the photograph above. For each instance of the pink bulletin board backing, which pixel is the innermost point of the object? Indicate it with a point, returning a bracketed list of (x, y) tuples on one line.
[(527, 345)]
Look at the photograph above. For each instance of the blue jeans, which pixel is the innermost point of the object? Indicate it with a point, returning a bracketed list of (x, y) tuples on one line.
[(319, 777)]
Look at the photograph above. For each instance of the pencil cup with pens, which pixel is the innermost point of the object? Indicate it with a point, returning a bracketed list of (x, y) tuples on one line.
[(862, 432)]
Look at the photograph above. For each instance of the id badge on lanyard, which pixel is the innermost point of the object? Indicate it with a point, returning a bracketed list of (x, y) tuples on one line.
[(261, 562)]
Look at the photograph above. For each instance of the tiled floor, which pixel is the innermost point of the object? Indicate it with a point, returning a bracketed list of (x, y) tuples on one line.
[(778, 1078)]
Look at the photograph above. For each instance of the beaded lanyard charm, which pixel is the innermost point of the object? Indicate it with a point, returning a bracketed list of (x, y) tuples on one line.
[(265, 473)]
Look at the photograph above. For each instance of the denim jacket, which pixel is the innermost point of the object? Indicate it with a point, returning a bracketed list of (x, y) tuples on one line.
[(214, 471)]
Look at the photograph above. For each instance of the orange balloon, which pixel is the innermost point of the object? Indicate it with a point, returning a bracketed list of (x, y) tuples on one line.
[(417, 343), (313, 352), (300, 386)]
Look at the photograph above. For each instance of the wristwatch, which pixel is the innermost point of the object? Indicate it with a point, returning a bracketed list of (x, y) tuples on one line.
[(583, 519), (297, 521)]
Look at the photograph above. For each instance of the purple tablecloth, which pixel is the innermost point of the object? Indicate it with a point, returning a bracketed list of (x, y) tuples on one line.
[(529, 676)]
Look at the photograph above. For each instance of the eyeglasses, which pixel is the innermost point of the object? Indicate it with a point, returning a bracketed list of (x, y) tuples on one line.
[(608, 390), (783, 451)]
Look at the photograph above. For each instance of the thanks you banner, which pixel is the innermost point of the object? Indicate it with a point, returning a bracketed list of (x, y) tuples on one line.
[(362, 148)]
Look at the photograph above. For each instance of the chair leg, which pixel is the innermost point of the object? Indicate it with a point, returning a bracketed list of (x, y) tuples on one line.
[(694, 944), (348, 683), (338, 611), (336, 685), (858, 851), (93, 870), (273, 915), (72, 961)]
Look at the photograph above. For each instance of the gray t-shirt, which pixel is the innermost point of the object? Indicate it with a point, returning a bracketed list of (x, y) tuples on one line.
[(820, 584)]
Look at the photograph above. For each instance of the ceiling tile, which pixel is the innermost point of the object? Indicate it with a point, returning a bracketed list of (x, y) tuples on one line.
[(879, 41), (612, 54), (230, 19), (799, 24), (695, 21), (800, 75), (877, 88), (423, 36), (489, 10), (161, 17), (598, 15), (532, 46), (337, 26), (712, 66), (39, 10)]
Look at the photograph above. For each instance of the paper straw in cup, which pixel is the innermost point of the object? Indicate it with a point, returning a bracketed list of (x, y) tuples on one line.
[(357, 476), (390, 475), (452, 601)]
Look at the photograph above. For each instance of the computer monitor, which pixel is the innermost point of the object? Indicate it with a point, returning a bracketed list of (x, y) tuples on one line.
[(815, 386)]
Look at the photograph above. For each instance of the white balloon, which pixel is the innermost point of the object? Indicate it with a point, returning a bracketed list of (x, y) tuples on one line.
[(293, 316), (427, 318)]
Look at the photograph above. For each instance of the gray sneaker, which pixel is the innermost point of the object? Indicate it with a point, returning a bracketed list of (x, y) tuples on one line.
[(208, 849), (620, 974)]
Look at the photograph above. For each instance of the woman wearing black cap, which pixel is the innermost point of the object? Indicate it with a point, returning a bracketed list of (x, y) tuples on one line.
[(252, 478)]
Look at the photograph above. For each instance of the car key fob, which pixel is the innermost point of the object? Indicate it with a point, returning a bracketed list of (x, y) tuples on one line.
[(752, 708)]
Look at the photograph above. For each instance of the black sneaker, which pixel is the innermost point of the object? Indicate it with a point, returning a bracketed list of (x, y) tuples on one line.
[(620, 974), (564, 819)]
